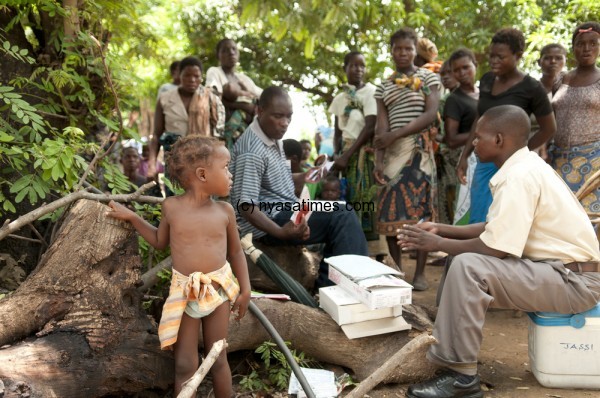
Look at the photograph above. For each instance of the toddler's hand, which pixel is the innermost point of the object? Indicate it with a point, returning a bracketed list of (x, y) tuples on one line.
[(241, 305), (119, 211)]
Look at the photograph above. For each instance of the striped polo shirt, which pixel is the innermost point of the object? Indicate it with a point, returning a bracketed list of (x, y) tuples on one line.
[(261, 174)]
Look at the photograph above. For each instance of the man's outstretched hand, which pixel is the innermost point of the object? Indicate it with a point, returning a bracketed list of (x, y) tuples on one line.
[(419, 237)]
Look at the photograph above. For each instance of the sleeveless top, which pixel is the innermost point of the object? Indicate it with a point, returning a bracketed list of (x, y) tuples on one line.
[(176, 116), (577, 111)]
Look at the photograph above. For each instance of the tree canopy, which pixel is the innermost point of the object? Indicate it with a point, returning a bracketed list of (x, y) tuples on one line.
[(83, 64)]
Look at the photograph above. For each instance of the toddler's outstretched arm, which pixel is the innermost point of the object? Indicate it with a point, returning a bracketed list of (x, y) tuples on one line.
[(237, 259), (157, 237)]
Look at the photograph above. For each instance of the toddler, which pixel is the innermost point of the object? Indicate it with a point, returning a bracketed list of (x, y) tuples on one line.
[(204, 241)]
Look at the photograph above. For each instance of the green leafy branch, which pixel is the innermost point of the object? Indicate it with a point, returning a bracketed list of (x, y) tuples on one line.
[(273, 372)]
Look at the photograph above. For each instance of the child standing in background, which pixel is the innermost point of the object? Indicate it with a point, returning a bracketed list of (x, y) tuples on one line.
[(202, 284)]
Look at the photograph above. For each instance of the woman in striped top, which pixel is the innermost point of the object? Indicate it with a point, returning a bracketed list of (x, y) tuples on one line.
[(407, 104)]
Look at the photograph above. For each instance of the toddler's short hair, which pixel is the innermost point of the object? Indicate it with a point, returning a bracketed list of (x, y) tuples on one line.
[(188, 153)]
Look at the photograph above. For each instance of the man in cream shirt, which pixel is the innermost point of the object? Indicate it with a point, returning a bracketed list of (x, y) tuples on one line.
[(537, 251)]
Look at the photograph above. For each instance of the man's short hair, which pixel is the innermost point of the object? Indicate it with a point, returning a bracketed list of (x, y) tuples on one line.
[(266, 98), (221, 42), (509, 120)]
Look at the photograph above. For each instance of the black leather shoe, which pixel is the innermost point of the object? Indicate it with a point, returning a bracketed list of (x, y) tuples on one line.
[(445, 386)]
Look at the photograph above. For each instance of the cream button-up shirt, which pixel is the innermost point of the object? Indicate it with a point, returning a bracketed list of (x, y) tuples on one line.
[(535, 215)]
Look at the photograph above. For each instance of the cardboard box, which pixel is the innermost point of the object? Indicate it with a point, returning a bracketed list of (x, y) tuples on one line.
[(375, 284), (564, 349), (374, 327), (345, 309)]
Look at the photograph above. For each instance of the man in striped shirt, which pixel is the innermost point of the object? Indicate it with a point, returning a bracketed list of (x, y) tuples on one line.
[(263, 190)]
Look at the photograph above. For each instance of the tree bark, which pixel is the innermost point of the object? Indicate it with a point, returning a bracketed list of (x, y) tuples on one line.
[(82, 304)]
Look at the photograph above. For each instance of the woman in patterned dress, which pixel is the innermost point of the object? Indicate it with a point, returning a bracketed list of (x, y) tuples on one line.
[(576, 103), (407, 105)]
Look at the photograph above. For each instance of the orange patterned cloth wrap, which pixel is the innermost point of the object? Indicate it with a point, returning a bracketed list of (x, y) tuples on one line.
[(196, 289)]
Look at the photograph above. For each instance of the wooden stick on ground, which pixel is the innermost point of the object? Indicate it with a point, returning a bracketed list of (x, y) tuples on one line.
[(404, 355), (190, 386), (150, 278)]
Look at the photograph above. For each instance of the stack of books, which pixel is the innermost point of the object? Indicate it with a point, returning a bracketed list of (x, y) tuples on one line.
[(368, 296)]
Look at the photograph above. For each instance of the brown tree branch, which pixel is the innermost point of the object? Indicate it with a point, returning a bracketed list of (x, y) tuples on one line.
[(71, 20), (37, 233), (99, 155), (404, 355), (150, 278), (327, 97), (10, 227), (24, 238)]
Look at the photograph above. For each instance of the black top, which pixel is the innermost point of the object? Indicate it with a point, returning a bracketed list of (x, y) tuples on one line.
[(528, 94), (462, 108)]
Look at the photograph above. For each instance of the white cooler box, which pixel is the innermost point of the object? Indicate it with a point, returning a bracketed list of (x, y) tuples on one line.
[(564, 350)]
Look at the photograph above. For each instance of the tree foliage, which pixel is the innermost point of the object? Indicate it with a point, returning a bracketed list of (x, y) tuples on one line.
[(302, 43), (49, 115)]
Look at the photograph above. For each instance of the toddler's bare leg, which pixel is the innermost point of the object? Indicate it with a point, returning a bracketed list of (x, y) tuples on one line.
[(186, 351), (214, 328)]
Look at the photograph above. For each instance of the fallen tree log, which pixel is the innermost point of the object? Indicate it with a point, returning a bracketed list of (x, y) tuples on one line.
[(76, 323), (82, 304), (313, 332)]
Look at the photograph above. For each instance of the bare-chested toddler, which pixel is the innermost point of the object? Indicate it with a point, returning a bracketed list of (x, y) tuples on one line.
[(204, 242)]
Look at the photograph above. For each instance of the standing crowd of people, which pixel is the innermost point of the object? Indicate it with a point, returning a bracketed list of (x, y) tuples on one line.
[(448, 164)]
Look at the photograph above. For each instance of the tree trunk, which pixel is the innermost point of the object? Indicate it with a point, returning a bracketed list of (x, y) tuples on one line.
[(313, 332), (86, 334), (82, 304)]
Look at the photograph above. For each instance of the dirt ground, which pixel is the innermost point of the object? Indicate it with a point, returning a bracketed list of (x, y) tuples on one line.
[(504, 361)]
